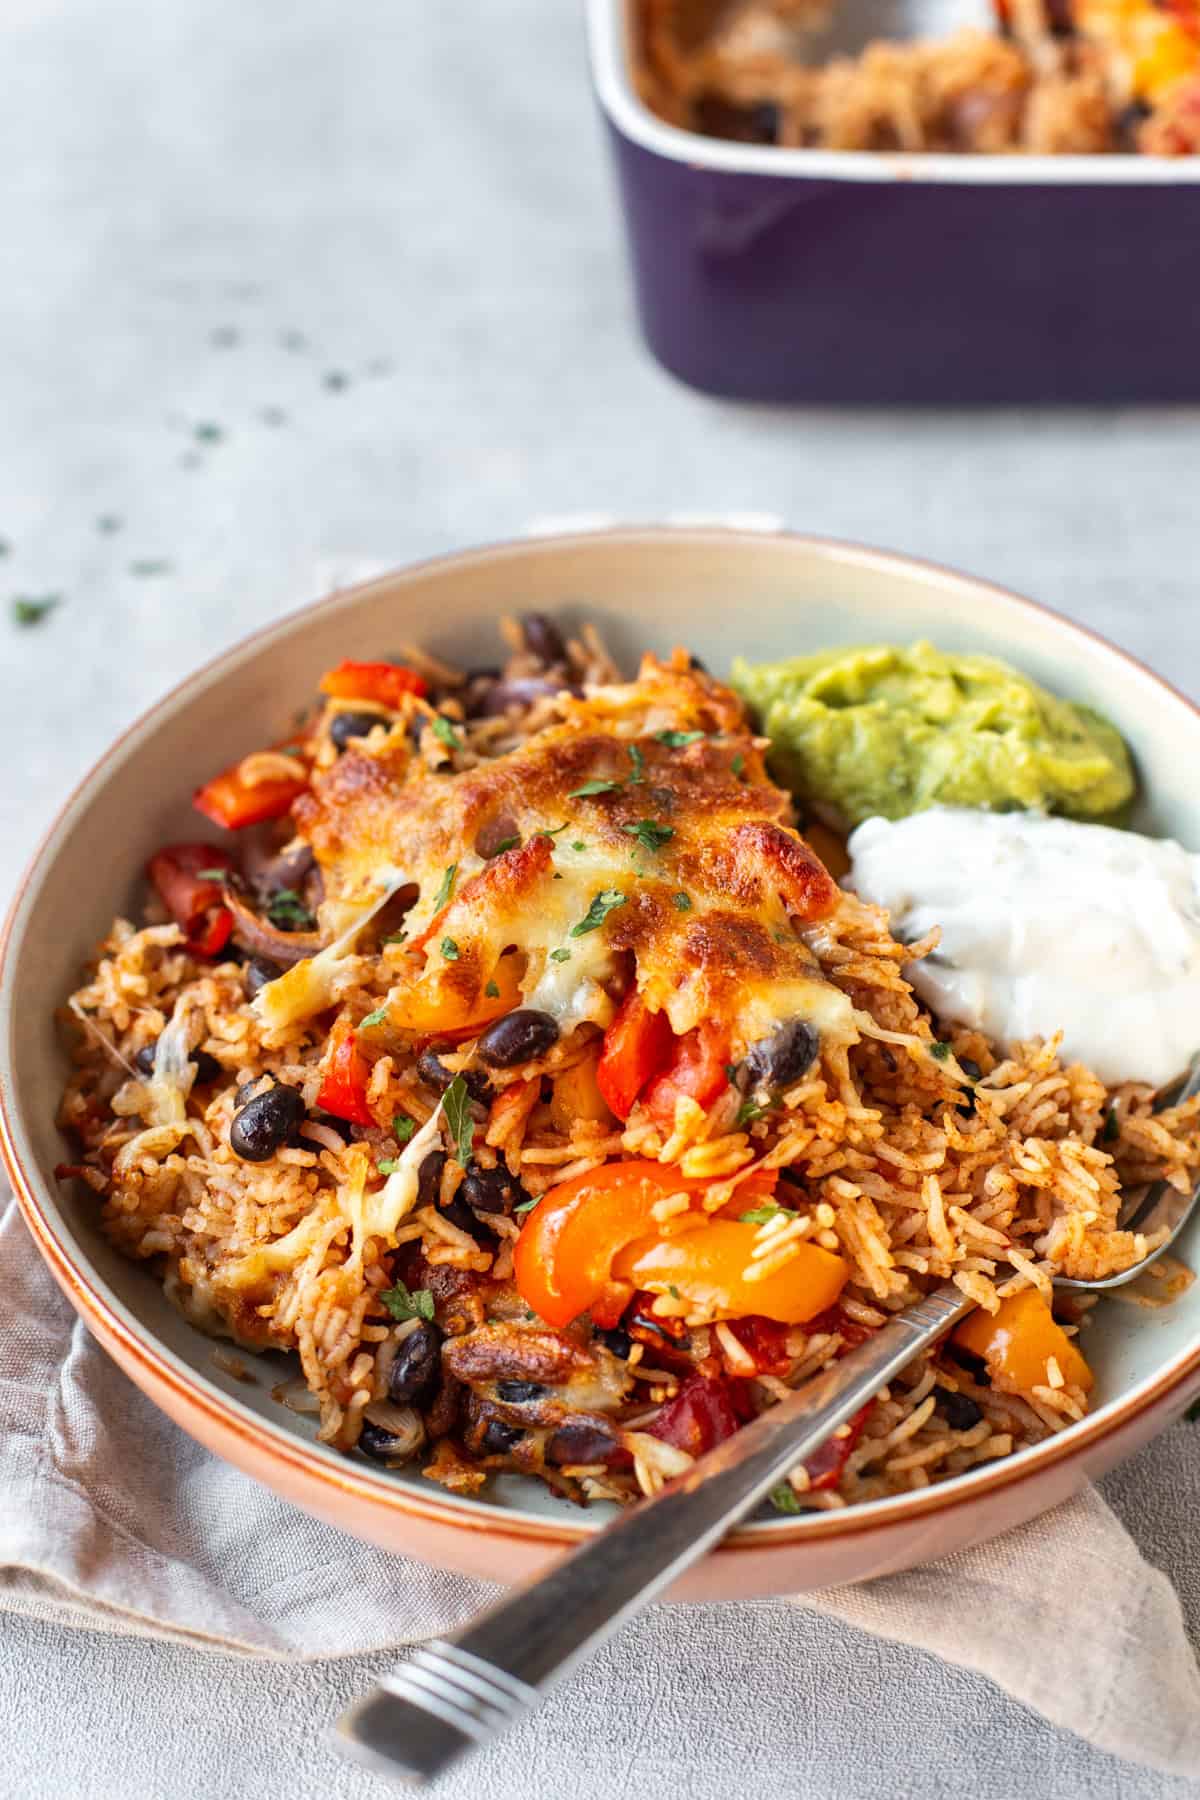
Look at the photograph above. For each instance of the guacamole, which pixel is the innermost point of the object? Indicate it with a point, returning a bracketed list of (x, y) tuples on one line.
[(878, 730)]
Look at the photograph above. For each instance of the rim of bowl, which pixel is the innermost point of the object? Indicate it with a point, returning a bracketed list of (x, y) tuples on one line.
[(100, 1306)]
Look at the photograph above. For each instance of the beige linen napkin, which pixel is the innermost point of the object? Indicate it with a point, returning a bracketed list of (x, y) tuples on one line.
[(111, 1518)]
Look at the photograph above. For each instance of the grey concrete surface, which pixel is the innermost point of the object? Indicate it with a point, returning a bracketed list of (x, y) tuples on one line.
[(287, 290)]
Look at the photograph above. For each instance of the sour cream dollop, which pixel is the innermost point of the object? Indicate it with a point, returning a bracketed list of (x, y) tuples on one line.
[(1047, 925)]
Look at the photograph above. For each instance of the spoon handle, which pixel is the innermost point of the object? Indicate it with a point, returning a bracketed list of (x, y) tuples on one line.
[(457, 1692)]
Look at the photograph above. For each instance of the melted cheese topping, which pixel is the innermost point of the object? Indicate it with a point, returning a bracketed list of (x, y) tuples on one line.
[(649, 843)]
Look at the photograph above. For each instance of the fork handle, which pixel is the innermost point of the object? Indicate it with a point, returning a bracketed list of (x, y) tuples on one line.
[(457, 1692)]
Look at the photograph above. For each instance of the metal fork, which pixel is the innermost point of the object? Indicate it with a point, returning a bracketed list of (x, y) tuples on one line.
[(456, 1693)]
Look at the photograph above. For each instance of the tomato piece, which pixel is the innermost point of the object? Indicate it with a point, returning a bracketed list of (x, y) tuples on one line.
[(825, 1466), (180, 875), (343, 1089), (233, 803), (705, 1411), (562, 1263), (1017, 1343), (636, 1045), (385, 683), (708, 1267), (697, 1070)]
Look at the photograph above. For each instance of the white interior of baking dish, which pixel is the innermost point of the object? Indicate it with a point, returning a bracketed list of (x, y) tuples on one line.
[(719, 593), (610, 36)]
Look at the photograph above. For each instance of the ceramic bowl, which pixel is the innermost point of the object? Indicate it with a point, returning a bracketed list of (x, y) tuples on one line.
[(719, 592)]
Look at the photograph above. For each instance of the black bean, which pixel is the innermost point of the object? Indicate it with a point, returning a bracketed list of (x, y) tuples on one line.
[(959, 1410), (970, 1068), (343, 1127), (781, 1059), (266, 1123), (519, 1037), (543, 639), (432, 1069), (429, 1178), (493, 1190), (347, 725), (244, 1091), (581, 1443), (207, 1067), (513, 1393), (379, 1444), (499, 1438), (617, 1340), (460, 1214), (259, 970), (520, 691), (417, 1366)]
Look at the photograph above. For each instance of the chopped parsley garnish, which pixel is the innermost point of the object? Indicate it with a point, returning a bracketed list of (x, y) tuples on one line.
[(528, 1206), (492, 991), (942, 1051), (388, 1165), (456, 1104), (731, 1072), (673, 1290), (675, 740), (560, 956), (551, 831), (221, 875), (402, 1127), (606, 901), (378, 1017), (395, 937), (579, 844), (649, 835), (1112, 1127), (598, 786), (749, 1110), (288, 911), (449, 949), (447, 887), (759, 1215), (31, 609), (738, 764), (681, 902), (508, 843), (404, 1305), (638, 761), (784, 1498), (444, 731)]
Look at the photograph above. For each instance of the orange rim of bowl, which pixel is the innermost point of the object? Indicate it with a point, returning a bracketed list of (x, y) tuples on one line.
[(161, 1369)]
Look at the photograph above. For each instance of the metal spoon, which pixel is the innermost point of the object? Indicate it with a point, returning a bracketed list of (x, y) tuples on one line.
[(458, 1692)]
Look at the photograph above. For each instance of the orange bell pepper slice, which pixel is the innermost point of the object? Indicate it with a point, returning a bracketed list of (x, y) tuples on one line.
[(636, 1045), (343, 1090), (1017, 1342), (571, 1255), (708, 1267), (385, 683)]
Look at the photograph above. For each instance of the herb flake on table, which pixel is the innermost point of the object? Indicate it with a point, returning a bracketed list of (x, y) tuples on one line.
[(31, 609), (207, 431), (148, 566)]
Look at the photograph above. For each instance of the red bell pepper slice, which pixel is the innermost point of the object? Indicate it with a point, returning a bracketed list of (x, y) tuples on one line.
[(697, 1070), (385, 683), (343, 1090), (233, 803), (825, 1466), (636, 1045), (704, 1412), (179, 873)]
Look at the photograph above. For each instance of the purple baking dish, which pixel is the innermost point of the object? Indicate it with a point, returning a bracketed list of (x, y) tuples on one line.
[(847, 277)]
